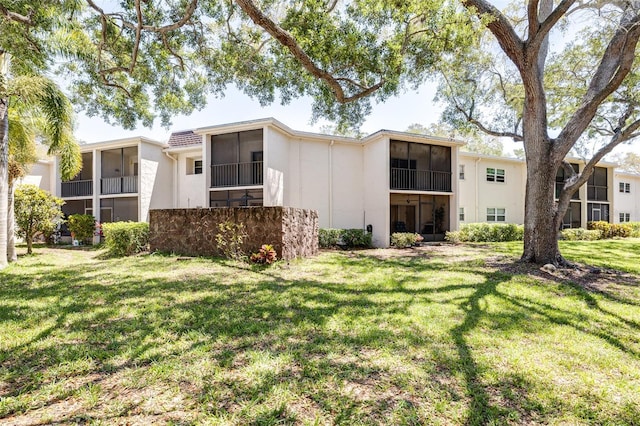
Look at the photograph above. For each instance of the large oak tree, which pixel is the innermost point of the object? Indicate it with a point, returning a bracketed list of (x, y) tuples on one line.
[(546, 88)]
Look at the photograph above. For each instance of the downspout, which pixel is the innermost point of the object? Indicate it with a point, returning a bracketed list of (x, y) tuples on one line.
[(175, 180), (477, 202), (331, 183)]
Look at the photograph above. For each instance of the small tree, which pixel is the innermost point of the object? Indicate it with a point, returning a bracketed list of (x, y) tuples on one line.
[(37, 211)]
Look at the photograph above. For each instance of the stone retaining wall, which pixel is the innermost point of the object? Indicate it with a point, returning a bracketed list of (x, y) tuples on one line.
[(192, 232)]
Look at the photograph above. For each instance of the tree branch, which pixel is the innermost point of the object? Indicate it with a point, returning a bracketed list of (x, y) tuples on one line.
[(532, 16), (17, 17), (288, 41), (615, 65), (500, 27), (188, 13), (542, 29)]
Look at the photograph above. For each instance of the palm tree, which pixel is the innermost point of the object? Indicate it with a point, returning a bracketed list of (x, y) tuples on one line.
[(51, 118)]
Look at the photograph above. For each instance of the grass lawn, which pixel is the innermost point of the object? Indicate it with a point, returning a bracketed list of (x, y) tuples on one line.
[(440, 335)]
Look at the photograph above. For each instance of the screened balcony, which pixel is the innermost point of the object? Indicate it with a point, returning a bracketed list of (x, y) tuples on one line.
[(420, 180), (119, 171), (119, 185), (420, 167), (237, 159), (82, 184), (77, 188), (237, 174)]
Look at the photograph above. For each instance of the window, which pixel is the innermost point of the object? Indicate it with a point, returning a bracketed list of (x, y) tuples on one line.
[(597, 185), (461, 171), (625, 187), (495, 175), (496, 214), (197, 167), (461, 214), (625, 217)]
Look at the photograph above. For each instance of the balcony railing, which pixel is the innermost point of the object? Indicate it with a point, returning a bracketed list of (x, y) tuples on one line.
[(77, 188), (119, 185), (236, 174), (420, 180)]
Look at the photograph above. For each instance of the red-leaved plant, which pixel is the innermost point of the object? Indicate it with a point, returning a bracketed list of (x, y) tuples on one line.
[(265, 256)]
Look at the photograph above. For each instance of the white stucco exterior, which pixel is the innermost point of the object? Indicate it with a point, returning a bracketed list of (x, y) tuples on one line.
[(351, 183)]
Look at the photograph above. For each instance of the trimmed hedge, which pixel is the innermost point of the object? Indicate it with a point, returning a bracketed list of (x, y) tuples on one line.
[(126, 238), (405, 239), (486, 232), (580, 234), (611, 230), (351, 238)]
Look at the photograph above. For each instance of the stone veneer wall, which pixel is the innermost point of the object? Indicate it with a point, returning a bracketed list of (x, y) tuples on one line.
[(192, 232)]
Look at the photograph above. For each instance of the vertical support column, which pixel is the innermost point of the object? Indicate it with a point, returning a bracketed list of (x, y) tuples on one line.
[(97, 173)]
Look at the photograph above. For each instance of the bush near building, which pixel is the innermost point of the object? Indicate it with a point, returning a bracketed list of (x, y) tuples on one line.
[(486, 232), (82, 227), (349, 238), (611, 230), (126, 238)]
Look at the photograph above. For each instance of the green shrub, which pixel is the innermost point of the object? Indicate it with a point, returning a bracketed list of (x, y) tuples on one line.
[(82, 227), (125, 238), (328, 237), (487, 232), (611, 230), (356, 238), (230, 240), (404, 239), (453, 236), (352, 238), (635, 229), (580, 234)]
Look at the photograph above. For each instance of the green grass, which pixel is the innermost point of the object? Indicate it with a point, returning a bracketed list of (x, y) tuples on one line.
[(344, 338), (620, 254)]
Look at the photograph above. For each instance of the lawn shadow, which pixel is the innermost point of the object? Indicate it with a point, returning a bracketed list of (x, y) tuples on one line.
[(144, 323)]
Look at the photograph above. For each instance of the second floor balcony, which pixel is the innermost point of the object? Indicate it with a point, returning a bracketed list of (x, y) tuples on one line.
[(237, 174), (119, 185), (420, 180), (77, 188)]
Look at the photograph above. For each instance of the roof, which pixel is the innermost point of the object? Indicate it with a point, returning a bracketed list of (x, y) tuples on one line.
[(184, 138)]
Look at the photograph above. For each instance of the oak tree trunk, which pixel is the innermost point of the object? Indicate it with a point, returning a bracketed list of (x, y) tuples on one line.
[(540, 231)]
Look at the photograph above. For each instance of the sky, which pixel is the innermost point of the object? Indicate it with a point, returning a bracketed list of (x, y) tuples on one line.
[(395, 114)]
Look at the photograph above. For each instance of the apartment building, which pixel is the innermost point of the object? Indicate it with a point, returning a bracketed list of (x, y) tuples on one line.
[(386, 182), (120, 180)]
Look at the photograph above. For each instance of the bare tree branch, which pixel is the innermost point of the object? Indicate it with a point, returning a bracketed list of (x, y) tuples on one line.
[(509, 40), (542, 29)]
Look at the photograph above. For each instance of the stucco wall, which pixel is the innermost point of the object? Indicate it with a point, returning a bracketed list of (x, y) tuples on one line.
[(477, 194), (626, 202), (276, 156), (376, 190), (190, 193), (293, 232), (156, 179), (42, 175)]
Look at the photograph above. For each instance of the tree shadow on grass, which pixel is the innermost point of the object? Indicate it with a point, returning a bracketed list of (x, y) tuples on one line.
[(143, 324)]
